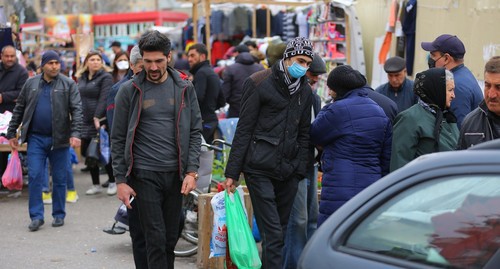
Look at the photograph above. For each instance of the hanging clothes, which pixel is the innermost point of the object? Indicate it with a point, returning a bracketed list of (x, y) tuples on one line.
[(302, 24), (290, 29), (261, 15), (277, 24)]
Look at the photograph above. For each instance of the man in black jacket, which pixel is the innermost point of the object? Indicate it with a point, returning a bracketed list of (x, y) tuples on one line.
[(12, 78), (208, 89), (233, 78), (50, 111), (483, 123), (271, 144)]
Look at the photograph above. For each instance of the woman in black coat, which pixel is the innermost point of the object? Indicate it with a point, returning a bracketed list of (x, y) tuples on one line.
[(94, 82)]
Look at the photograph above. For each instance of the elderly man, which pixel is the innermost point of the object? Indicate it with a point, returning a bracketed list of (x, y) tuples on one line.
[(448, 51), (399, 88), (483, 123)]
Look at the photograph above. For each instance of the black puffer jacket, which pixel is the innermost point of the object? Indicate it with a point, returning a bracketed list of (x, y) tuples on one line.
[(234, 76), (208, 90), (93, 93), (272, 136)]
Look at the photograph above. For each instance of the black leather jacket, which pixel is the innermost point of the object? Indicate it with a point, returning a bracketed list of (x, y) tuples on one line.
[(66, 110), (476, 127)]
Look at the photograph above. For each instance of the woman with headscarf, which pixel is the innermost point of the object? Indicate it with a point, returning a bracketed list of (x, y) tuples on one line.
[(428, 126), (355, 135), (94, 82)]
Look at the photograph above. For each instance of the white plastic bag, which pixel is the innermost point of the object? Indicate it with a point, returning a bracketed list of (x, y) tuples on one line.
[(219, 230)]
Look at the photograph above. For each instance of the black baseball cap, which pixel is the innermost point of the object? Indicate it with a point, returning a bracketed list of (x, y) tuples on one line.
[(446, 44)]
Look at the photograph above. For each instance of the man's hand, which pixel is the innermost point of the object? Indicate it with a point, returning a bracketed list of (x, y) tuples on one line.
[(124, 192), (97, 123), (188, 184), (229, 184), (75, 142), (1, 98), (14, 143)]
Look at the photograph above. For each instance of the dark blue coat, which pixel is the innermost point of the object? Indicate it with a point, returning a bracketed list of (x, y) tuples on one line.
[(356, 137)]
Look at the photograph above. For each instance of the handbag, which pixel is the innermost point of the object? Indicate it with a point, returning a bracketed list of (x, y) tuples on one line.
[(93, 153)]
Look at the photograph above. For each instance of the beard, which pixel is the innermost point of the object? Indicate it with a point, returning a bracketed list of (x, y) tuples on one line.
[(155, 76)]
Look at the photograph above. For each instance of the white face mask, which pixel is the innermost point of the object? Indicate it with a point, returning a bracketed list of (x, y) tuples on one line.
[(122, 65)]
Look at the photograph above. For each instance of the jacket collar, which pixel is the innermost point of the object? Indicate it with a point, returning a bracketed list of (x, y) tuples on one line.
[(180, 79), (198, 66)]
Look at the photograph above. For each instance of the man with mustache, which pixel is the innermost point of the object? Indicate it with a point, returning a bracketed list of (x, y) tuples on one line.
[(483, 123), (155, 147)]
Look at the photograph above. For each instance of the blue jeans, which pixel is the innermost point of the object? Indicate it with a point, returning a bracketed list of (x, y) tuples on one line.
[(303, 219), (70, 182), (39, 149)]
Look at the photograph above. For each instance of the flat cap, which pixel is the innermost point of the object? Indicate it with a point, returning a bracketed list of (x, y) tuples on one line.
[(394, 65)]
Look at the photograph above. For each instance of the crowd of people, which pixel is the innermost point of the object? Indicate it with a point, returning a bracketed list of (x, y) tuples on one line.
[(157, 110)]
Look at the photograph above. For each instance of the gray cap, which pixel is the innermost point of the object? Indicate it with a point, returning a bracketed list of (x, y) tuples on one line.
[(394, 65), (318, 66)]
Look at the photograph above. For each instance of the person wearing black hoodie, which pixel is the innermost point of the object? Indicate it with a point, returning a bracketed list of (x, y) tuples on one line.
[(233, 77), (208, 89)]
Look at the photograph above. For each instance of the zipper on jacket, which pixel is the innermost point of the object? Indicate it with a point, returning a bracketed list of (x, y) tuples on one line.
[(134, 129), (179, 133)]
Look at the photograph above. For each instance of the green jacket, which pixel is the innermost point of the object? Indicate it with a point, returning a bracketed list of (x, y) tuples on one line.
[(413, 136)]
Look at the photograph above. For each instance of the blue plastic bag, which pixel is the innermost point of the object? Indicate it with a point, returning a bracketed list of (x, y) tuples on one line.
[(104, 146), (242, 247)]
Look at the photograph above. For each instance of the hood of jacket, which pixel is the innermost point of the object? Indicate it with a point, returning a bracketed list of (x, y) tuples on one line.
[(245, 58)]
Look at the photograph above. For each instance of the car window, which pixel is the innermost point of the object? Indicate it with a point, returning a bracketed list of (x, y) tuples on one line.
[(449, 222)]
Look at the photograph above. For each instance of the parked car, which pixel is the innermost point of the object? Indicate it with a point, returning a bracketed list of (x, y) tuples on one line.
[(440, 211)]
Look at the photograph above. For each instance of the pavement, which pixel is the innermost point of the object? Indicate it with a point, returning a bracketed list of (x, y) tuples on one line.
[(80, 243)]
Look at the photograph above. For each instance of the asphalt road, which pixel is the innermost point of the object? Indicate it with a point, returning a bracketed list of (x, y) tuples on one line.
[(80, 243)]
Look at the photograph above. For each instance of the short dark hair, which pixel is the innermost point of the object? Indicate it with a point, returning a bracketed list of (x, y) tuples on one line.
[(200, 48), (250, 43), (493, 65), (154, 41)]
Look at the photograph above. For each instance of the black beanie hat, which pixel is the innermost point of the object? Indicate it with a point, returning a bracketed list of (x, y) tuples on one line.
[(49, 56), (343, 79), (298, 46)]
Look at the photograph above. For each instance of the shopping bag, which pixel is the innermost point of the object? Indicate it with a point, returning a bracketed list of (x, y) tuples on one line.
[(104, 146), (12, 178), (93, 155), (242, 247), (219, 229)]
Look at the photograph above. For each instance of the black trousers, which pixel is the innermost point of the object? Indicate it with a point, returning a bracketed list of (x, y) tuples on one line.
[(272, 202), (159, 201), (137, 236)]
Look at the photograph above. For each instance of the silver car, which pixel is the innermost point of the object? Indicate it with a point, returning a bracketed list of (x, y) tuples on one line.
[(440, 211)]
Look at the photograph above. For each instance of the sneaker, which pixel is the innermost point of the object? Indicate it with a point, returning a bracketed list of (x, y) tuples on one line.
[(105, 184), (47, 198), (95, 189), (71, 196), (111, 189)]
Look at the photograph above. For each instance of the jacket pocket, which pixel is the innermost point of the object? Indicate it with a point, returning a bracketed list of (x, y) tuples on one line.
[(263, 153), (472, 139)]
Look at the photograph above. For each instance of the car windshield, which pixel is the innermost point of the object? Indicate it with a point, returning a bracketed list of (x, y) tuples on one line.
[(452, 222)]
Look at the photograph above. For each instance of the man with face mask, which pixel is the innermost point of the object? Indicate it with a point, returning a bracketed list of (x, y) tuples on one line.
[(271, 143), (448, 51)]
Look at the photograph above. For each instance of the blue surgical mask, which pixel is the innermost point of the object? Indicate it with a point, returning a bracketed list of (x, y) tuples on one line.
[(296, 70)]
